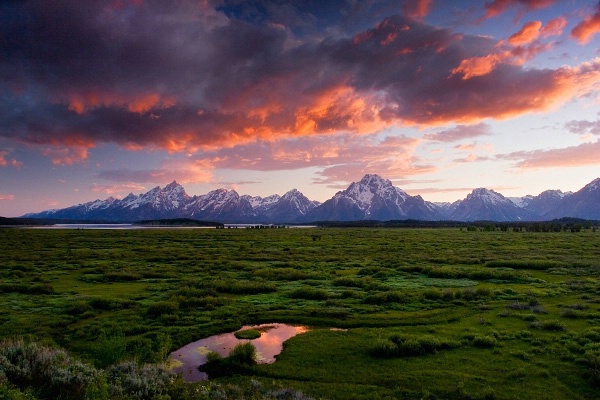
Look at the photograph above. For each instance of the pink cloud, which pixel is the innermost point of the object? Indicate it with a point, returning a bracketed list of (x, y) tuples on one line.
[(583, 127), (459, 132), (554, 27), (66, 155), (114, 189), (416, 8), (584, 31), (183, 171), (7, 197), (4, 162), (576, 156), (497, 7), (527, 34)]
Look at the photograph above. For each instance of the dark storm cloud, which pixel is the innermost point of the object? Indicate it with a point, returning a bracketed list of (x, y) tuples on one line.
[(196, 74)]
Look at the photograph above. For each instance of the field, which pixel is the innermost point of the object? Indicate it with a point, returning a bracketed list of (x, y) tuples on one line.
[(422, 313)]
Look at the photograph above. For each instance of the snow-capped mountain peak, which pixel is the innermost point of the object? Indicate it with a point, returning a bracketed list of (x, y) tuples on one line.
[(592, 186), (372, 198)]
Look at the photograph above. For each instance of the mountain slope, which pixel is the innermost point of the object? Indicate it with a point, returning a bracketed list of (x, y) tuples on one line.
[(582, 204), (487, 205), (373, 198)]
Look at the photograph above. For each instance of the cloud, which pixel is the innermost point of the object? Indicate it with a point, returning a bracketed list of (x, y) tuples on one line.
[(583, 127), (114, 189), (390, 155), (582, 155), (416, 8), (554, 27), (527, 34), (197, 76), (459, 132), (7, 197), (497, 7), (587, 28), (66, 155), (185, 171), (4, 162)]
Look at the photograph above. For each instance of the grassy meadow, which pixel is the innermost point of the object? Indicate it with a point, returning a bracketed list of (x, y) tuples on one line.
[(419, 313)]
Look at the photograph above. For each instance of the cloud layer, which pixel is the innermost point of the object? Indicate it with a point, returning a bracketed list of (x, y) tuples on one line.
[(196, 75)]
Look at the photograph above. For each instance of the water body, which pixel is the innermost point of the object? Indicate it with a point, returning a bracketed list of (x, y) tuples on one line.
[(187, 359), (132, 226)]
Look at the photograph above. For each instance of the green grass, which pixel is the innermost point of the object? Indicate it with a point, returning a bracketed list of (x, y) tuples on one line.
[(459, 314)]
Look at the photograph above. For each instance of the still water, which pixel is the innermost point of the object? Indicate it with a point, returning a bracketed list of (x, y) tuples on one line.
[(187, 359)]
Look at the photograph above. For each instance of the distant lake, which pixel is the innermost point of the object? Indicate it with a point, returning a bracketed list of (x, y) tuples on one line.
[(132, 226)]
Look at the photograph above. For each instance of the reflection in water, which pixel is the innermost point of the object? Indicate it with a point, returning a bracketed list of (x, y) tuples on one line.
[(187, 359)]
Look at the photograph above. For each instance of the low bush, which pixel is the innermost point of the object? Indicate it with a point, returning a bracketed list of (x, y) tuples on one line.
[(162, 308), (309, 294), (549, 325), (409, 346), (487, 341), (244, 287), (386, 298), (48, 372), (240, 361), (526, 264)]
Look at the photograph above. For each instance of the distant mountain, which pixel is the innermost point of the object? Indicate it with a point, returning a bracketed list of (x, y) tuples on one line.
[(582, 204), (371, 198), (487, 205), (173, 202), (543, 203)]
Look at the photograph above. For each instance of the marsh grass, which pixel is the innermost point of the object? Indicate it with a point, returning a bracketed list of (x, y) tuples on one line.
[(481, 300)]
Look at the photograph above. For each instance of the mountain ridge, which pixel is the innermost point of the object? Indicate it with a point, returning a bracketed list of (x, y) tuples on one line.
[(371, 198)]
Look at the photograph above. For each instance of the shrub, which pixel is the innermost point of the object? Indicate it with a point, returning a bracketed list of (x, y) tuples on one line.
[(385, 298), (161, 308), (484, 341), (409, 346), (432, 294), (240, 361), (139, 382), (49, 372), (244, 287), (309, 294), (549, 325), (243, 353)]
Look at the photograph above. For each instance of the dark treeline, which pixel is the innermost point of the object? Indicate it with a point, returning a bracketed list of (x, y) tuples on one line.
[(556, 225)]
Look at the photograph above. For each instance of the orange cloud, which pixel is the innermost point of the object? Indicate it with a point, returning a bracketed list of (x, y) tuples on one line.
[(83, 101), (528, 33), (7, 197), (338, 109), (554, 27), (584, 31), (66, 155), (479, 66), (549, 90)]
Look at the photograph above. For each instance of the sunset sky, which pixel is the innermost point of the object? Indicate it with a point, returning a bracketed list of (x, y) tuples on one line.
[(106, 97)]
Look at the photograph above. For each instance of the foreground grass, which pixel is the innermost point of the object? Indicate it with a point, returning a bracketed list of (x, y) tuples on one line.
[(438, 313)]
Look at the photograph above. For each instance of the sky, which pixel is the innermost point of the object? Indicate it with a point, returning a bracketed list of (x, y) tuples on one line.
[(106, 97)]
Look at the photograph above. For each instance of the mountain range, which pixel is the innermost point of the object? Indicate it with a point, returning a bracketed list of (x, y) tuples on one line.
[(371, 198)]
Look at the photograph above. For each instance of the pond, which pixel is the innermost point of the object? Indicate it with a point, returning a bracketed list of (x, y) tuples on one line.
[(187, 359)]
